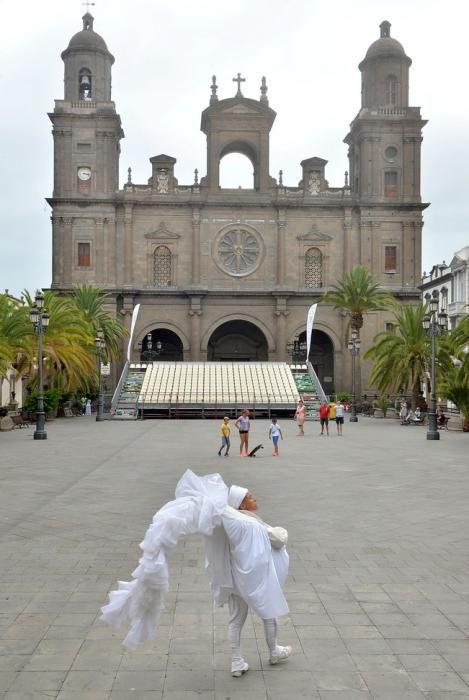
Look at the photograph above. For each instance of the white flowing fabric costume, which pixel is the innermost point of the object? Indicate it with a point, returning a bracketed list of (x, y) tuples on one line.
[(240, 559)]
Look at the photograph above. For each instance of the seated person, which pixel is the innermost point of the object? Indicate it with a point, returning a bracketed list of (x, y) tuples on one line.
[(440, 417), (417, 415)]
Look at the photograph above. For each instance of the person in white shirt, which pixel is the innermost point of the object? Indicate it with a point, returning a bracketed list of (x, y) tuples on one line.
[(339, 417), (275, 432)]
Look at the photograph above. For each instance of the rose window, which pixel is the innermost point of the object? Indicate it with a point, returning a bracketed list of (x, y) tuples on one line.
[(238, 252)]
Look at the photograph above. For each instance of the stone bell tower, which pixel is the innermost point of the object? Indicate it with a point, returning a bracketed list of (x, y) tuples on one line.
[(87, 131), (238, 125)]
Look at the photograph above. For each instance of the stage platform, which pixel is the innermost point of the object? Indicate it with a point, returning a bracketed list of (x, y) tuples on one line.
[(185, 389)]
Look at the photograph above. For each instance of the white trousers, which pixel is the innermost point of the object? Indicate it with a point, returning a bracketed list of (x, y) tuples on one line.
[(238, 613)]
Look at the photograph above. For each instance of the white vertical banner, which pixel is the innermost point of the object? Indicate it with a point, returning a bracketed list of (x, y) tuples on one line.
[(309, 328), (132, 328)]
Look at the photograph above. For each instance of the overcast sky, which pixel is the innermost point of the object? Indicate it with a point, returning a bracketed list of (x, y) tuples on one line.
[(166, 53)]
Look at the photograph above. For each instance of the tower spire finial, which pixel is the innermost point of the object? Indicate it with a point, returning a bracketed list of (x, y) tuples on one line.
[(385, 28), (88, 17), (214, 88), (264, 89)]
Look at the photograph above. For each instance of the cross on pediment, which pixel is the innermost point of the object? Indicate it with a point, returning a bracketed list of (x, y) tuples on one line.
[(239, 80)]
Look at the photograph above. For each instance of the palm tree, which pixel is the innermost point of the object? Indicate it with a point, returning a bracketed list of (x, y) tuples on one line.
[(402, 355), (91, 301), (454, 384), (357, 294), (16, 334), (68, 346)]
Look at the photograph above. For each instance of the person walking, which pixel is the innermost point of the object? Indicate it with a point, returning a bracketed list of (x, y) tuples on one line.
[(275, 432), (339, 417), (324, 417), (300, 415), (246, 561), (243, 425), (225, 431), (88, 408), (403, 411)]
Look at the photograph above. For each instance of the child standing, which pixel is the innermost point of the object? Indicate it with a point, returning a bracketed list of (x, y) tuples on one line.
[(275, 432), (225, 431)]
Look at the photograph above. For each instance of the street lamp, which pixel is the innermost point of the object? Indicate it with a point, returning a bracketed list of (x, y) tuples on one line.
[(39, 317), (149, 354), (297, 351), (100, 345), (434, 325), (354, 347)]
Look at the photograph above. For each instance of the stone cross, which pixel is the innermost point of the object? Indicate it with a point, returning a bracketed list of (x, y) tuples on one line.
[(239, 80), (88, 4)]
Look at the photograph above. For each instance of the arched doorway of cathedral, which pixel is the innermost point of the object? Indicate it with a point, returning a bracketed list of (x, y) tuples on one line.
[(321, 356), (165, 345), (237, 167), (237, 341)]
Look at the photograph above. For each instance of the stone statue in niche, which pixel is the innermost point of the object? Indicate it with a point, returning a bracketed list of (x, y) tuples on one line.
[(162, 181), (314, 182)]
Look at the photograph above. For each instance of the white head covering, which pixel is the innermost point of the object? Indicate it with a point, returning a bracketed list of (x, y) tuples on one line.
[(236, 496)]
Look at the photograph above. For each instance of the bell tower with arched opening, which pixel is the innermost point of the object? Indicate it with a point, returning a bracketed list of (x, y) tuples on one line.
[(238, 125)]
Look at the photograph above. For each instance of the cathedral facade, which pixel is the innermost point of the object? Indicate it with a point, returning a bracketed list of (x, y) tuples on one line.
[(229, 274)]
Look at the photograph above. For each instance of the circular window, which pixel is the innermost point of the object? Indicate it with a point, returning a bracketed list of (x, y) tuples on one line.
[(238, 252), (391, 152)]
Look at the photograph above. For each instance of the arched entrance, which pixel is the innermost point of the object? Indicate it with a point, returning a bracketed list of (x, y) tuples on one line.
[(321, 356), (237, 341), (164, 345)]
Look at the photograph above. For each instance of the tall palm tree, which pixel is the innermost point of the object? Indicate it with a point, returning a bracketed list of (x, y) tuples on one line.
[(402, 355), (68, 346), (91, 301), (357, 294), (16, 333)]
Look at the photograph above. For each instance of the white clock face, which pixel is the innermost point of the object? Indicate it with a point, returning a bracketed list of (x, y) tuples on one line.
[(84, 173)]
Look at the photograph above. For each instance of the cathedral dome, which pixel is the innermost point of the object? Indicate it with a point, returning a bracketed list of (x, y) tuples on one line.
[(87, 39), (386, 46)]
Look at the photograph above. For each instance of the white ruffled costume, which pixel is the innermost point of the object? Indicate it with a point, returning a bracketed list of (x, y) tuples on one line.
[(240, 559)]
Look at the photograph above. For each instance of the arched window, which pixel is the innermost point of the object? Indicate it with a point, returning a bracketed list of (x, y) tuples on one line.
[(162, 266), (84, 85), (390, 90), (313, 268), (236, 172)]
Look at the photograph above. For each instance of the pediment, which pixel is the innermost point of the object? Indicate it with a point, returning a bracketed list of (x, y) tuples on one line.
[(162, 233), (314, 235)]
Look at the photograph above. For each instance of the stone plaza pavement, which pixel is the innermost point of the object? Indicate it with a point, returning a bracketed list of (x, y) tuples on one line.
[(379, 576)]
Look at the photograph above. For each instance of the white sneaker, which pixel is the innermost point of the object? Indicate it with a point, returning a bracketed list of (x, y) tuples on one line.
[(280, 654), (238, 670)]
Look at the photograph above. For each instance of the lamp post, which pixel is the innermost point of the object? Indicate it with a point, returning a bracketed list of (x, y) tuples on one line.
[(39, 317), (149, 354), (434, 324), (100, 345), (297, 351), (354, 347)]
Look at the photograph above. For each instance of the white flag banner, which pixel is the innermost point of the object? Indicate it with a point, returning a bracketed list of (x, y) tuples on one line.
[(132, 328), (309, 328)]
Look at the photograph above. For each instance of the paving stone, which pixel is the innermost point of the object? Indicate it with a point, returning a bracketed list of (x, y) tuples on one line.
[(379, 595)]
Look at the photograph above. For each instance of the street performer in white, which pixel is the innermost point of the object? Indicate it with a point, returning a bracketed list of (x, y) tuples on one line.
[(246, 561)]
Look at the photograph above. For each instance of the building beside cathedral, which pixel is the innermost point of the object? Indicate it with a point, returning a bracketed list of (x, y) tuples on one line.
[(229, 274)]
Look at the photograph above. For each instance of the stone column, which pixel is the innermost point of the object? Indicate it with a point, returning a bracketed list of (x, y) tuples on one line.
[(281, 312), (128, 256), (281, 233), (68, 252), (195, 312), (100, 161), (418, 225), (195, 246), (119, 248), (408, 252), (99, 251), (57, 251), (347, 228)]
